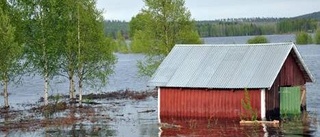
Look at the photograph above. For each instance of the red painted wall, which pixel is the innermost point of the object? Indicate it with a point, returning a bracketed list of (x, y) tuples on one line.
[(290, 74), (205, 103)]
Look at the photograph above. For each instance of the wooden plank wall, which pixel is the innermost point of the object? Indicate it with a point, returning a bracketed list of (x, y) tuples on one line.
[(205, 103)]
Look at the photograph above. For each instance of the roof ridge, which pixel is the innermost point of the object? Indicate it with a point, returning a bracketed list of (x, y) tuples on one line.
[(234, 45)]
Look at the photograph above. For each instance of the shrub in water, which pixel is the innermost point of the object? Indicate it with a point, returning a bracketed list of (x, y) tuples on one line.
[(257, 39), (249, 112), (317, 37), (303, 38)]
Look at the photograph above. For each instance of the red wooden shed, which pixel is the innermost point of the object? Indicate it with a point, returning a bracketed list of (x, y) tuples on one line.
[(209, 81)]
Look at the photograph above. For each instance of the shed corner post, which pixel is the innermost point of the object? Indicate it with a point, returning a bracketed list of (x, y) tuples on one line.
[(263, 104), (159, 119), (303, 100)]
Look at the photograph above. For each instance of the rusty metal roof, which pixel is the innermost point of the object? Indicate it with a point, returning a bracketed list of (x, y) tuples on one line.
[(225, 66)]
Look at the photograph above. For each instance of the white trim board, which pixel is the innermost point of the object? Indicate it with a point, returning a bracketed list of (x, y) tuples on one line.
[(263, 104), (159, 120)]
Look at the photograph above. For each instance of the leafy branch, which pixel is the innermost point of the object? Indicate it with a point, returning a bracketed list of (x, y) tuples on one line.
[(249, 112)]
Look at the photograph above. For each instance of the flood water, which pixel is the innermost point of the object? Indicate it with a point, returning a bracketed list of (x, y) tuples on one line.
[(129, 121)]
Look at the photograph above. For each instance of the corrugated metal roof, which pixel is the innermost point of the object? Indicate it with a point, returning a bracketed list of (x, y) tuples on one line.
[(225, 66)]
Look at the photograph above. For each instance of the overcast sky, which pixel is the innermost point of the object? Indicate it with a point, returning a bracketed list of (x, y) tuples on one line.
[(217, 9)]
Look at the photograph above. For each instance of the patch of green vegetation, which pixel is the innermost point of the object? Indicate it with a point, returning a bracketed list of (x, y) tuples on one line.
[(295, 124), (249, 113), (120, 44), (317, 37), (257, 39), (303, 37)]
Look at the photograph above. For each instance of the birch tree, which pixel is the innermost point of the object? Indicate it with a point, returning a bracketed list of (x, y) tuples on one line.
[(10, 52), (69, 32), (95, 59), (167, 22), (42, 39)]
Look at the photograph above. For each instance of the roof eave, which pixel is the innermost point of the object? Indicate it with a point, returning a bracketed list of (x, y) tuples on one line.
[(229, 88), (308, 77)]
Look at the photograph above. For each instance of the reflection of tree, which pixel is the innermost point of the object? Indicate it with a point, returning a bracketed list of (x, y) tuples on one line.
[(149, 129), (303, 124), (104, 131), (81, 129), (5, 114), (85, 127)]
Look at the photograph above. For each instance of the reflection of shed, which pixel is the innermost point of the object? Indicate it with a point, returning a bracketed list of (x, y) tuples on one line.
[(209, 80)]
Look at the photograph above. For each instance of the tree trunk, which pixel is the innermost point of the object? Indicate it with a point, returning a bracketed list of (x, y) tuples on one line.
[(5, 92), (80, 90), (46, 79), (71, 86), (45, 58), (80, 74), (46, 76)]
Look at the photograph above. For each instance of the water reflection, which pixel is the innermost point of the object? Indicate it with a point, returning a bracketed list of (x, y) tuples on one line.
[(76, 122), (302, 125), (78, 130), (210, 128)]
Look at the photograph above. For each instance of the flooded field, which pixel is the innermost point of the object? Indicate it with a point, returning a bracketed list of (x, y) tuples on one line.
[(128, 113), (215, 127), (121, 113)]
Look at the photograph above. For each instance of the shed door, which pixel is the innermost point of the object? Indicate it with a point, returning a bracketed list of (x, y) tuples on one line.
[(289, 100)]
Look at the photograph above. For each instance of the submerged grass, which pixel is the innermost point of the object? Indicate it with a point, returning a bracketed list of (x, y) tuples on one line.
[(305, 124), (124, 94), (61, 113)]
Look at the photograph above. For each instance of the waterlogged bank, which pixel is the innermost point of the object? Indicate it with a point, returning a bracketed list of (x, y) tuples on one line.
[(108, 114)]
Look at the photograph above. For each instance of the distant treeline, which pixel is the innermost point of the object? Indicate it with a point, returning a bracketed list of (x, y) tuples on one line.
[(220, 28), (113, 27), (314, 15), (296, 25), (254, 27), (232, 27)]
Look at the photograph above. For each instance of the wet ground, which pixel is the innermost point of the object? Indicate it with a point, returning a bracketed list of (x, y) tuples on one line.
[(119, 113)]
